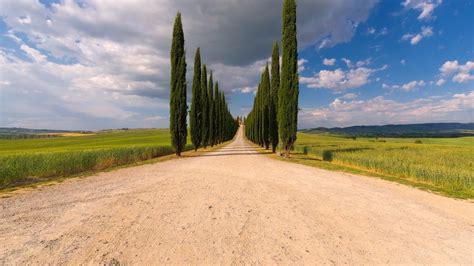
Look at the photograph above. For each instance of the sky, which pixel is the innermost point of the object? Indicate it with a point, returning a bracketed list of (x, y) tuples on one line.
[(96, 64)]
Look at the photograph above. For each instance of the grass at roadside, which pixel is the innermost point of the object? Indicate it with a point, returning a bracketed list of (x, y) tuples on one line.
[(439, 165), (28, 161), (39, 182)]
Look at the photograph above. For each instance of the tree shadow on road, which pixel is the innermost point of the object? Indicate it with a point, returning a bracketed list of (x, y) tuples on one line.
[(220, 153)]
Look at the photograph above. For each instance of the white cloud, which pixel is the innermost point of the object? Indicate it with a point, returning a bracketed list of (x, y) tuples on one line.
[(4, 83), (440, 82), (33, 53), (463, 77), (329, 62), (426, 7), (338, 79), (403, 62), (243, 79), (357, 75), (24, 20), (347, 62), (120, 64), (409, 86), (57, 96), (246, 90), (379, 111), (301, 63), (350, 96), (155, 118), (449, 67), (416, 38), (460, 73), (412, 85), (373, 31), (362, 63)]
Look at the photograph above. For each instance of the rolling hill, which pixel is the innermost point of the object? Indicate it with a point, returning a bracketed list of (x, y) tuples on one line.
[(408, 130)]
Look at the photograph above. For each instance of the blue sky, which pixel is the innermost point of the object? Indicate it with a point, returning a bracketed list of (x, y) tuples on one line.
[(105, 64)]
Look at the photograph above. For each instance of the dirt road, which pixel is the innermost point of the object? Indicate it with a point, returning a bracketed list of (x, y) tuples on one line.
[(233, 206)]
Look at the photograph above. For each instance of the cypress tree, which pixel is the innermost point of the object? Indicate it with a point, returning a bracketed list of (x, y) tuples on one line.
[(215, 127), (274, 88), (178, 105), (289, 88), (211, 110), (258, 116), (205, 107), (265, 101), (195, 121), (223, 118)]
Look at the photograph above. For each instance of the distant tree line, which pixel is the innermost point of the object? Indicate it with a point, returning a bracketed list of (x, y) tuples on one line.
[(210, 120), (274, 115), (27, 136)]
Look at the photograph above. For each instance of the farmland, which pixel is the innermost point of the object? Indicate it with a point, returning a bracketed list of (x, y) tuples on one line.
[(443, 164), (29, 160)]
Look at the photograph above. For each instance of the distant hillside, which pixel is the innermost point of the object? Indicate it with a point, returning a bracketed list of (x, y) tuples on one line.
[(25, 133), (410, 130)]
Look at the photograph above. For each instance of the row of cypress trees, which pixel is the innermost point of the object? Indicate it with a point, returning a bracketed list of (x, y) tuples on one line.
[(210, 120), (261, 123), (274, 115)]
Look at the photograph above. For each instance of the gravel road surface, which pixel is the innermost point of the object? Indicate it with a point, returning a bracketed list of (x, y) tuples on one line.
[(233, 206)]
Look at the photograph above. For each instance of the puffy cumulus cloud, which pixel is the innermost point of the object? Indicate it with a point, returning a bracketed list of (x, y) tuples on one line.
[(440, 82), (34, 54), (229, 32), (409, 86), (362, 63), (329, 62), (460, 73), (116, 53), (373, 31), (379, 111), (340, 80), (242, 79), (416, 38), (425, 7), (49, 95), (329, 22), (412, 85), (350, 96), (301, 64), (347, 62), (247, 90)]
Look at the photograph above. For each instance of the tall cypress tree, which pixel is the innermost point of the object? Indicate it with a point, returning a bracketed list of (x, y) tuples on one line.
[(178, 106), (289, 89), (215, 126), (223, 118), (274, 88), (211, 110), (195, 119), (266, 100), (205, 107)]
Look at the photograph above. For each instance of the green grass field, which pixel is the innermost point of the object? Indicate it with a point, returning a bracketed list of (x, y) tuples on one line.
[(28, 160), (442, 163)]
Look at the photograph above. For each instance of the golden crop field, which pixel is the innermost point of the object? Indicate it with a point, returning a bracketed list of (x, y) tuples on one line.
[(445, 163), (27, 160)]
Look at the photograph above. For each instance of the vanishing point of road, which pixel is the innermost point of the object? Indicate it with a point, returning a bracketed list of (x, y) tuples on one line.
[(233, 206)]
